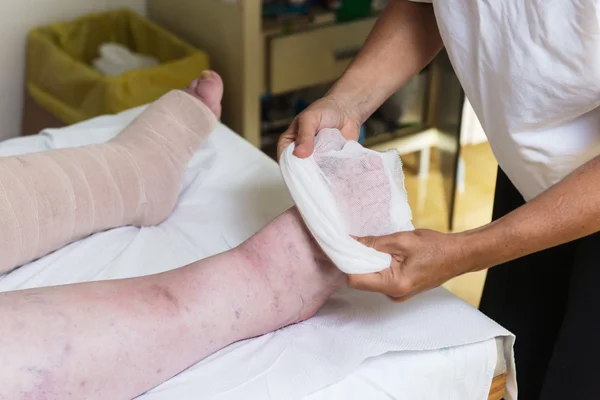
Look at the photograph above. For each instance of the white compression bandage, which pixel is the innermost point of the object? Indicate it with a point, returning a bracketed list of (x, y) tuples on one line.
[(53, 198), (346, 190)]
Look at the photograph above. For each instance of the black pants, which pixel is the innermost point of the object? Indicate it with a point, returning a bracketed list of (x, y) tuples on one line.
[(551, 302)]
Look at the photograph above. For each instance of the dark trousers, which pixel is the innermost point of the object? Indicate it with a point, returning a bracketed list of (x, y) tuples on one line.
[(551, 301)]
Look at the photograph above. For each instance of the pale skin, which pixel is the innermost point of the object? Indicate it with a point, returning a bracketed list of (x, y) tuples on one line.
[(118, 339), (404, 41)]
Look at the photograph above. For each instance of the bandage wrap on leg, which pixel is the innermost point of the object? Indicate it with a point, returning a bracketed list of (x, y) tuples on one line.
[(50, 199), (346, 190)]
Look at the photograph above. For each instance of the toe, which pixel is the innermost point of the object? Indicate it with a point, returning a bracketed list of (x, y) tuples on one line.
[(209, 89), (193, 85)]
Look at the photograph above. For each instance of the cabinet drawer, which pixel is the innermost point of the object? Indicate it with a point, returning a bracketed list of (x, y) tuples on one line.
[(314, 57)]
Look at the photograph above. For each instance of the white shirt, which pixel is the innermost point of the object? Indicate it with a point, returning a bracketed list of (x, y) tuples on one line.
[(531, 71)]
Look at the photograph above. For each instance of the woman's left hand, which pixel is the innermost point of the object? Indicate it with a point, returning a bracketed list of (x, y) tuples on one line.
[(421, 260)]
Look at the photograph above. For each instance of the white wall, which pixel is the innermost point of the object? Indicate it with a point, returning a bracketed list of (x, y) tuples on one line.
[(17, 17)]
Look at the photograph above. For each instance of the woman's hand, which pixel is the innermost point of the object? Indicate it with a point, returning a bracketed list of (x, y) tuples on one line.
[(421, 260), (327, 112), (404, 40)]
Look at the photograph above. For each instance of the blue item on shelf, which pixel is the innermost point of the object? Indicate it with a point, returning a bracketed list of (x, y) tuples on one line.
[(279, 10), (264, 99), (362, 135)]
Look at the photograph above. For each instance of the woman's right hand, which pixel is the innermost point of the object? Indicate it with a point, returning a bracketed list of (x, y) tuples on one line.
[(327, 112)]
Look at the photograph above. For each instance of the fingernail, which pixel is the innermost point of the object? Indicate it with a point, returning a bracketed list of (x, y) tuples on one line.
[(205, 75)]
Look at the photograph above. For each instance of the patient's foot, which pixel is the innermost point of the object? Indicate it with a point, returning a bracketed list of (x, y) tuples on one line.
[(160, 143), (293, 268), (208, 88)]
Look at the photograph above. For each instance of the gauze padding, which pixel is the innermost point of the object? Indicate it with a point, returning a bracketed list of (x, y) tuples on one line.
[(346, 190)]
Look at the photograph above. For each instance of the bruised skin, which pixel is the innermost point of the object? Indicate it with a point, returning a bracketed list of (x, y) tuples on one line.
[(118, 339), (309, 277)]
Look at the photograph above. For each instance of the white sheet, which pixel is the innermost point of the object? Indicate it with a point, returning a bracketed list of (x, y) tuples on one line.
[(360, 345)]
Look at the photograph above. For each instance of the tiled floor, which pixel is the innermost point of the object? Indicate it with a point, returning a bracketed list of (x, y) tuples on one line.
[(473, 205)]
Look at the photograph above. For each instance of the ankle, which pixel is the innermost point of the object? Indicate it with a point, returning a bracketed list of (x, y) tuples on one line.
[(273, 281), (295, 270)]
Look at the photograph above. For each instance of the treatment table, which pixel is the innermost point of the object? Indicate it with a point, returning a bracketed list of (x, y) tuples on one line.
[(359, 346)]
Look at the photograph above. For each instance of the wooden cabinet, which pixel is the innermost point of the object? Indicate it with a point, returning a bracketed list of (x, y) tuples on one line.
[(253, 56), (315, 56)]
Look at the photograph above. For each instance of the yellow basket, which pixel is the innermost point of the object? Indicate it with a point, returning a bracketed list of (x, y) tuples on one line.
[(61, 80)]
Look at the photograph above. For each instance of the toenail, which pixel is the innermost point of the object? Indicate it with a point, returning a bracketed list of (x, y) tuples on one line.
[(205, 75)]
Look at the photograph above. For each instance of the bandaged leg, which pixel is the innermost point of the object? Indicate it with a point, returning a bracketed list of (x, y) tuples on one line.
[(118, 339), (50, 199)]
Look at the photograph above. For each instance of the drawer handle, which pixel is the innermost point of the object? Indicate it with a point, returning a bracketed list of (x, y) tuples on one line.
[(346, 54)]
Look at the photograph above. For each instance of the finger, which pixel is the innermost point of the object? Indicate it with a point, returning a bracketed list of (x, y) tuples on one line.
[(371, 283), (375, 282), (352, 132), (386, 282), (308, 126), (401, 299), (287, 138)]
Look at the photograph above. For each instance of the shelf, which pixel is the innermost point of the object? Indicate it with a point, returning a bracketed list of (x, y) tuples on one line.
[(316, 18)]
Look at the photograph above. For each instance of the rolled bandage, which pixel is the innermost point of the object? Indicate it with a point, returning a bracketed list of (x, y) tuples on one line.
[(346, 190)]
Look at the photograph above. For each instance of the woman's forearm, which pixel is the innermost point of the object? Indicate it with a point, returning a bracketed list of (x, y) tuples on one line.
[(567, 211), (404, 40)]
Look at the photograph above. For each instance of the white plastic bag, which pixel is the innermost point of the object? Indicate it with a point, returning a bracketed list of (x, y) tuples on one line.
[(116, 59), (346, 190)]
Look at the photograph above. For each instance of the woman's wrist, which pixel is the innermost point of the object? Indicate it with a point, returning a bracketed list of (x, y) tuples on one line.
[(486, 247), (356, 95)]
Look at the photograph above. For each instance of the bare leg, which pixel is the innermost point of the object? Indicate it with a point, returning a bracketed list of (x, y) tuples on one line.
[(118, 339), (50, 199)]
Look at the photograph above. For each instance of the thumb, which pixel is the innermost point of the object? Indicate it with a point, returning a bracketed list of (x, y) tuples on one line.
[(369, 241), (308, 126), (385, 244), (287, 138)]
